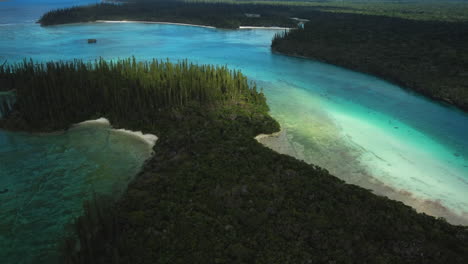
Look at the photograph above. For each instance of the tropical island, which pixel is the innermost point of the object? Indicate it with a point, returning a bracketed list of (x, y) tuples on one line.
[(421, 47), (211, 193)]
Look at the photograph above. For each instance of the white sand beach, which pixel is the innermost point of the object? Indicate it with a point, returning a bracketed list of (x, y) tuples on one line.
[(150, 139), (151, 22), (185, 24), (274, 28)]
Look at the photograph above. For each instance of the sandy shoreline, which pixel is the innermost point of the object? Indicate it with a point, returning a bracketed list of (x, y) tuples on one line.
[(150, 139), (151, 22), (274, 28), (280, 143), (185, 24)]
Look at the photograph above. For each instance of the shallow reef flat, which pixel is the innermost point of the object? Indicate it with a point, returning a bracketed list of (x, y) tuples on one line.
[(45, 178)]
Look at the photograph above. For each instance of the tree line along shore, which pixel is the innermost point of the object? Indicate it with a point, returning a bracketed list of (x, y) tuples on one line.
[(211, 193), (421, 47), (220, 15), (428, 57)]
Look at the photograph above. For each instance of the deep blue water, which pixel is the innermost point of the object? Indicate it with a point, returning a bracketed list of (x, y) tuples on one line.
[(360, 128)]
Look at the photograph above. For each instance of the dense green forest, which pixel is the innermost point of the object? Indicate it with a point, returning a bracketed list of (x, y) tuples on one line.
[(433, 10), (58, 94), (232, 14), (221, 15), (425, 56), (211, 193)]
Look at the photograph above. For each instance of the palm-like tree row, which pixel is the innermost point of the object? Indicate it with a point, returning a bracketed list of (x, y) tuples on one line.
[(61, 93)]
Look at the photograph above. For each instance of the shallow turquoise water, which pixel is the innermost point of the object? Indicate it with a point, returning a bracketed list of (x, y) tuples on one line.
[(362, 129), (44, 180)]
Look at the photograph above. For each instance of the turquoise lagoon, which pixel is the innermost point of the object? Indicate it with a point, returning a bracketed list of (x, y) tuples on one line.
[(45, 178), (362, 129)]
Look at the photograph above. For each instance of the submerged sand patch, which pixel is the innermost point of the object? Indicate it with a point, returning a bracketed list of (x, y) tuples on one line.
[(283, 143), (369, 149)]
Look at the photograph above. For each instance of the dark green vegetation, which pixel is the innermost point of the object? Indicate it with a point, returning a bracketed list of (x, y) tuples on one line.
[(433, 10), (7, 100), (219, 15), (211, 193), (232, 14), (55, 95), (425, 56)]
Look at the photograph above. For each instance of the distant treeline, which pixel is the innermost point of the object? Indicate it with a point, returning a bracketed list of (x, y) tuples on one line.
[(57, 94), (428, 10), (232, 14), (425, 56), (221, 15)]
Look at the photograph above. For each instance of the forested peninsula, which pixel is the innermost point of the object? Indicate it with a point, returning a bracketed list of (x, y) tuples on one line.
[(220, 15), (211, 193)]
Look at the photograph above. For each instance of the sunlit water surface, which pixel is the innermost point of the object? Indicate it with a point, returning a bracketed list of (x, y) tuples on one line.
[(362, 129)]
